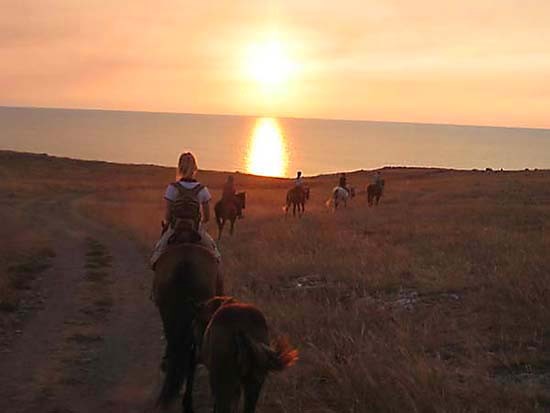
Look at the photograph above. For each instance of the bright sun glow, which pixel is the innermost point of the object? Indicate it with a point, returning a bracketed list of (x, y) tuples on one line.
[(268, 63), (267, 153)]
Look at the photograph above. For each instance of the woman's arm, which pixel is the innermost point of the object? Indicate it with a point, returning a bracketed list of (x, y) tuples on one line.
[(206, 212), (167, 210)]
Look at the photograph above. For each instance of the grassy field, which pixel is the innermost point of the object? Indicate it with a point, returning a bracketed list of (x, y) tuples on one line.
[(25, 248), (437, 300)]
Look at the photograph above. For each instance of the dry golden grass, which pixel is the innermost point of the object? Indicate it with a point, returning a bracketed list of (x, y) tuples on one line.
[(435, 301)]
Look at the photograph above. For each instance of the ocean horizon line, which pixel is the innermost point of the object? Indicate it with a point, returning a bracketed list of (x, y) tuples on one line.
[(287, 178)]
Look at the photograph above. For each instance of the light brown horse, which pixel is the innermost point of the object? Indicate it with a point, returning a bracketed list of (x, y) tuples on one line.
[(229, 211), (236, 350), (186, 276), (297, 197)]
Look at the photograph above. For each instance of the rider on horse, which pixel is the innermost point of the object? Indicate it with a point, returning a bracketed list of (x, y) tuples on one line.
[(342, 182), (377, 179), (187, 211), (229, 195), (299, 180)]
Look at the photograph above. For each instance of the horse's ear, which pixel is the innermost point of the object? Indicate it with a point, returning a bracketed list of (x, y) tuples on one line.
[(230, 300), (208, 308), (225, 299)]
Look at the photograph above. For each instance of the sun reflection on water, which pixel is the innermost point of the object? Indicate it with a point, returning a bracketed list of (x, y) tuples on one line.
[(267, 152)]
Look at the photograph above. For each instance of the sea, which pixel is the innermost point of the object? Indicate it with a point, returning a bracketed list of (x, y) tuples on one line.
[(268, 146)]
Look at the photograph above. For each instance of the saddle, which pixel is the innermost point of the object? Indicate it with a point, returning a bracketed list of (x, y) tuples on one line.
[(184, 232), (234, 203)]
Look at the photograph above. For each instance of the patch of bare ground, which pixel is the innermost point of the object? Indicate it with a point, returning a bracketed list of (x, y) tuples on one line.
[(94, 344)]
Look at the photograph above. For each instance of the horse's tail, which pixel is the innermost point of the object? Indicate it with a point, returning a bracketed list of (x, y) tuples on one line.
[(255, 356), (332, 198), (280, 354), (288, 202), (177, 317)]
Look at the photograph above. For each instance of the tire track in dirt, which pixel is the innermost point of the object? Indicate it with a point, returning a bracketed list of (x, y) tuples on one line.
[(95, 345), (32, 371)]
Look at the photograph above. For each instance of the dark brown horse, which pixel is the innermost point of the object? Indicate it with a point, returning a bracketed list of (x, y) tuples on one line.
[(297, 197), (229, 210), (236, 350), (374, 193), (186, 276)]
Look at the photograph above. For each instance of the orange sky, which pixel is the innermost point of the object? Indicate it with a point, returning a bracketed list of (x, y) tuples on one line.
[(465, 62)]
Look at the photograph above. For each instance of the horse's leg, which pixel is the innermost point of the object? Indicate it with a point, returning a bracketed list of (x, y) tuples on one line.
[(252, 389), (187, 402), (220, 228), (218, 215), (294, 209), (288, 206), (226, 390), (232, 226), (177, 321)]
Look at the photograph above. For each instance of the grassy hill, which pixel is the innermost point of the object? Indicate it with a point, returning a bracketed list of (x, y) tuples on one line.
[(437, 300)]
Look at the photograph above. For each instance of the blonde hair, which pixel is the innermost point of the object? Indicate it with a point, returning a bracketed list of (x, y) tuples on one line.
[(187, 166)]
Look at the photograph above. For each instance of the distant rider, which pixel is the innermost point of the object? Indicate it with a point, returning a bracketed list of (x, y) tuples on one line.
[(377, 179), (342, 183), (299, 181), (229, 195)]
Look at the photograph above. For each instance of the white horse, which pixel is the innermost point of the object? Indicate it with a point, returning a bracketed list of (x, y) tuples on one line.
[(339, 196)]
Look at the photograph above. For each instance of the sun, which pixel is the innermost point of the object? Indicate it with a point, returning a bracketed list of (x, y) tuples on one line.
[(269, 64)]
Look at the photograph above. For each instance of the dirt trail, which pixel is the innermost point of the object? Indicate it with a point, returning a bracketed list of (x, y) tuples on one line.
[(95, 343)]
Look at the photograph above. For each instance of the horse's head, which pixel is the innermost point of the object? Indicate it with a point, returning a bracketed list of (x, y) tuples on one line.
[(206, 311)]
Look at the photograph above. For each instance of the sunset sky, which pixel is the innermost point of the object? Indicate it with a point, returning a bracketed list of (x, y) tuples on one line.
[(463, 62)]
